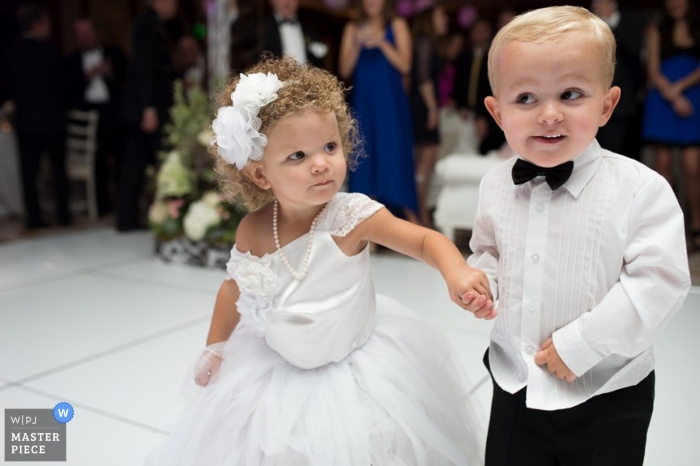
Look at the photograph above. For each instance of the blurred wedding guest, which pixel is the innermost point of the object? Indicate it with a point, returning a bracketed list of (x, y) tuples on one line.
[(672, 108), (147, 101), (281, 33), (619, 134), (32, 79), (472, 86), (429, 29), (95, 78), (375, 53), (189, 62)]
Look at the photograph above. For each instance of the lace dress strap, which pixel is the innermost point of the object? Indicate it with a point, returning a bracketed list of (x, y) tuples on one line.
[(345, 211)]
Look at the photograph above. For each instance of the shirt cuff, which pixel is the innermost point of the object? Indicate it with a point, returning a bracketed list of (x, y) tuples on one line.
[(574, 350)]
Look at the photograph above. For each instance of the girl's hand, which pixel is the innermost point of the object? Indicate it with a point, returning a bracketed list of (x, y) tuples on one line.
[(683, 107), (469, 289), (207, 366)]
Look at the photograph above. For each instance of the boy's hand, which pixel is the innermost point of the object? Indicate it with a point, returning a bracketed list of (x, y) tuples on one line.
[(548, 355), (479, 305)]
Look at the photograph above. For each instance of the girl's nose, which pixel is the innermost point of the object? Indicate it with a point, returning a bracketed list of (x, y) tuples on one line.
[(320, 164)]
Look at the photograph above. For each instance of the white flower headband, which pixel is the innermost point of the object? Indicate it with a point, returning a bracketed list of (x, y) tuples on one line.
[(236, 127)]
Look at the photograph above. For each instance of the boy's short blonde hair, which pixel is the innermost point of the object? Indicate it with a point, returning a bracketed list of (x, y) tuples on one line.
[(556, 23), (305, 87)]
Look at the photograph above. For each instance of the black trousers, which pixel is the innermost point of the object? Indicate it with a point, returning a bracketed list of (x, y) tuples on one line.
[(31, 147), (139, 152), (607, 430)]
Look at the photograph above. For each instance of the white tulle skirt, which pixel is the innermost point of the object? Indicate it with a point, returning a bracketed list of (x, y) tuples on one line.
[(400, 399)]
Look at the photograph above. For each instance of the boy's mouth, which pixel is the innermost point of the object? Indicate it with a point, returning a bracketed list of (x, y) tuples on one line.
[(549, 138)]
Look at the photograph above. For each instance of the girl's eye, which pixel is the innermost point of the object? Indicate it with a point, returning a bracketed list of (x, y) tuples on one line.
[(526, 99), (330, 147), (571, 95), (297, 155)]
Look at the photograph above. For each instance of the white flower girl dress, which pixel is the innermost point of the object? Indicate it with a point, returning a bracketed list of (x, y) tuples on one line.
[(323, 372)]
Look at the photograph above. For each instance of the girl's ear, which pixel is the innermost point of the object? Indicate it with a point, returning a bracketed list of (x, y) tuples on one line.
[(255, 172)]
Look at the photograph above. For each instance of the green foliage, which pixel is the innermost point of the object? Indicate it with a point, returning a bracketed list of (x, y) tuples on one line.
[(186, 177)]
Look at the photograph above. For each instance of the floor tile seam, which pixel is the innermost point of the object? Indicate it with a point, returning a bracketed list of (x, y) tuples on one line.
[(78, 271), (101, 412), (156, 283), (104, 353)]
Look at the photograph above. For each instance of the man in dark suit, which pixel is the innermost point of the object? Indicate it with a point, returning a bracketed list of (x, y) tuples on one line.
[(622, 132), (32, 79), (280, 33), (147, 101), (95, 77), (471, 86)]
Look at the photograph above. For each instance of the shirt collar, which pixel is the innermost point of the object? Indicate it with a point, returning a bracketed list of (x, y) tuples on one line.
[(585, 166)]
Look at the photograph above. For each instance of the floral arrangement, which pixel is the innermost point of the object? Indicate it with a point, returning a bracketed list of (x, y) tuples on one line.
[(187, 217)]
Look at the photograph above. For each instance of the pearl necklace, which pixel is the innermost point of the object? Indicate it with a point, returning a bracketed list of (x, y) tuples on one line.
[(297, 275)]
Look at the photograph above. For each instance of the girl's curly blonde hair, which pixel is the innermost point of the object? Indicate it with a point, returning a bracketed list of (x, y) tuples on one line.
[(305, 87)]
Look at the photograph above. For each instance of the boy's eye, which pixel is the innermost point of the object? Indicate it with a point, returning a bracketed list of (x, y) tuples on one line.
[(298, 155), (330, 147), (526, 99), (571, 95)]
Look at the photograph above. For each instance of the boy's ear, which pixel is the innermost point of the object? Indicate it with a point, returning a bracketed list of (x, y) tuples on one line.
[(612, 97), (494, 109), (255, 172)]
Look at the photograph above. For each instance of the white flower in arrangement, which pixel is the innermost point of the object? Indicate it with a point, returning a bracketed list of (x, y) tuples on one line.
[(205, 137), (158, 212), (236, 127), (211, 198), (199, 218), (174, 178)]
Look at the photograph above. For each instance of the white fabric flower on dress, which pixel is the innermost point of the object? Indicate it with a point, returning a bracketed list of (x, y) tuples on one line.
[(258, 284), (254, 275), (236, 127)]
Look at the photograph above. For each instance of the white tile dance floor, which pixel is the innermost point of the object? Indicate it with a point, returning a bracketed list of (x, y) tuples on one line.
[(95, 319)]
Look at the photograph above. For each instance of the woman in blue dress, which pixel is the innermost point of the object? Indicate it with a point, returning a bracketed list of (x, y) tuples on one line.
[(672, 109), (376, 52)]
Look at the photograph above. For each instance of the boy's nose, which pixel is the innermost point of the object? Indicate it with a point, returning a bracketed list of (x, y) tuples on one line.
[(551, 113)]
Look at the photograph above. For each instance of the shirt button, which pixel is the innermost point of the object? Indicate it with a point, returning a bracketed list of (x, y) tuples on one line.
[(532, 307), (539, 208), (529, 349), (535, 258)]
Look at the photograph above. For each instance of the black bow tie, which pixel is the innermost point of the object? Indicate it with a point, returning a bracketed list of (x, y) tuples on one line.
[(524, 171), (291, 21)]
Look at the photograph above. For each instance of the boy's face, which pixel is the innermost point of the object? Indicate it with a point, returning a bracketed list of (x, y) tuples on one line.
[(551, 98)]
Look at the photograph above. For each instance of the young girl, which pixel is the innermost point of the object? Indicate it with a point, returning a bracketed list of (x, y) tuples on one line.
[(304, 364)]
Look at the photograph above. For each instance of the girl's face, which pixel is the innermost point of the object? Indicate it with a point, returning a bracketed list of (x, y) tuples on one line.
[(677, 9), (373, 8), (440, 21), (304, 163)]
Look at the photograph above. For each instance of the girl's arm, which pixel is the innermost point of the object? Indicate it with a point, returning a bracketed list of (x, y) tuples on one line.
[(223, 321), (434, 249), (657, 78), (225, 317), (424, 79), (399, 56), (349, 51)]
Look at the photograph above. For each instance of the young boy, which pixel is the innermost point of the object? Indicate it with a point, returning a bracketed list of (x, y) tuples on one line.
[(585, 250)]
